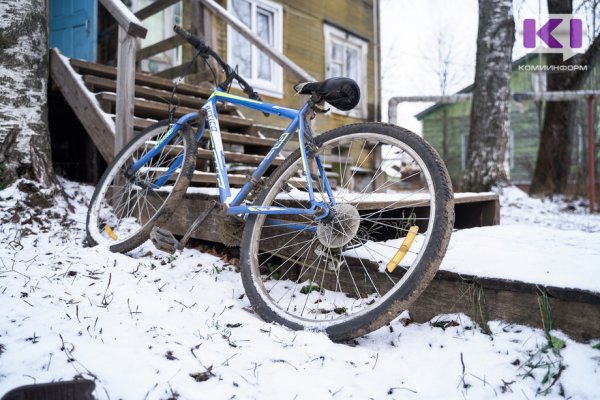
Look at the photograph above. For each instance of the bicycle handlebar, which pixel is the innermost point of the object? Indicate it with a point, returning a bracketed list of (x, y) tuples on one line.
[(206, 51), (193, 40)]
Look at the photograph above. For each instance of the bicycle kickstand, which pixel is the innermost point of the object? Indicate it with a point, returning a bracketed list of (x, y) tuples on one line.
[(164, 239)]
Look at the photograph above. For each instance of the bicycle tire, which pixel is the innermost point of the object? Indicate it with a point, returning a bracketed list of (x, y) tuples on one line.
[(260, 280), (131, 234)]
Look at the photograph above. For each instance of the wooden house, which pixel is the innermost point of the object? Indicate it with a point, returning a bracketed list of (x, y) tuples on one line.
[(446, 126), (323, 39)]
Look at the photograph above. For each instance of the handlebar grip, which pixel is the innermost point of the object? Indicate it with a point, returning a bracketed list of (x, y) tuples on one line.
[(193, 40)]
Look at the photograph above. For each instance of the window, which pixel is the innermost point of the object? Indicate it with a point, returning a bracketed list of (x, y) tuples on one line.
[(346, 55), (264, 18), (160, 27)]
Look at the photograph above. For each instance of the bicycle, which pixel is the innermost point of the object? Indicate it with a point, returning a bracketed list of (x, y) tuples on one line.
[(315, 253)]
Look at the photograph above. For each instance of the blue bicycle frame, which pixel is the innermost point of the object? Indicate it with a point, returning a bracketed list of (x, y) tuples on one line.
[(235, 204)]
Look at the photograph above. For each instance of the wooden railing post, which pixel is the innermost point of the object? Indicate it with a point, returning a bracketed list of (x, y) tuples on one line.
[(125, 89), (130, 28)]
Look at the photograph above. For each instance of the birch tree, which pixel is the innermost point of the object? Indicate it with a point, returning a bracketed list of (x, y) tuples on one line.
[(487, 162), (24, 135)]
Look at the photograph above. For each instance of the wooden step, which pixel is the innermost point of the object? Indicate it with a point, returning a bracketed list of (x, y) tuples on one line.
[(105, 71), (140, 124), (99, 84), (211, 178), (234, 179), (230, 156), (153, 109), (233, 157), (227, 137)]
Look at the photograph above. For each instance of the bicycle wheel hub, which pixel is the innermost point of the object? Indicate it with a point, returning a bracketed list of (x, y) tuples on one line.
[(341, 226)]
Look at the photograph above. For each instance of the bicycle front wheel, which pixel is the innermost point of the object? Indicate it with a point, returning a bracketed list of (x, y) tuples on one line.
[(391, 213), (124, 209)]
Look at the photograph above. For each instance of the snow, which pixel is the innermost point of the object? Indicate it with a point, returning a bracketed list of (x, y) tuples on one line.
[(534, 254), (141, 325)]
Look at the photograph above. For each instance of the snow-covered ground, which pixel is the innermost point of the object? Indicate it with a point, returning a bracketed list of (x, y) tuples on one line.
[(165, 327)]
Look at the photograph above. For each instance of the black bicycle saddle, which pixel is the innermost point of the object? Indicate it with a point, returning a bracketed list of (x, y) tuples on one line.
[(341, 93)]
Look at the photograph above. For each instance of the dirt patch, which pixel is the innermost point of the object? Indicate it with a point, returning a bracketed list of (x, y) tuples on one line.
[(35, 197)]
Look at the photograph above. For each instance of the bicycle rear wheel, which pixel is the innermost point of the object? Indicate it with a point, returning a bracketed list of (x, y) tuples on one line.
[(124, 209), (346, 274)]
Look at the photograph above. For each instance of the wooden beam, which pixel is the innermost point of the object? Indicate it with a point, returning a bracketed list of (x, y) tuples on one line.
[(274, 54), (211, 177), (230, 156), (159, 47), (176, 71), (125, 89), (574, 311), (125, 18), (157, 110), (154, 8), (84, 67), (99, 84), (96, 123)]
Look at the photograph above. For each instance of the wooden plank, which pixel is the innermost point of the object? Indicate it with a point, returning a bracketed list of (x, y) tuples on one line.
[(100, 84), (202, 24), (125, 89), (142, 123), (574, 311), (211, 177), (152, 109), (236, 138), (463, 218), (154, 7), (232, 138), (159, 47), (143, 79), (176, 71), (125, 18), (474, 213), (85, 106), (105, 84), (230, 156)]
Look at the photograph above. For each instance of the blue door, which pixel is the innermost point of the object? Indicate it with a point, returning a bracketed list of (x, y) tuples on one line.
[(74, 27)]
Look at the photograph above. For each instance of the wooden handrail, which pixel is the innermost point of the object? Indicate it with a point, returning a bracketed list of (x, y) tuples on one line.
[(276, 55), (125, 18), (145, 12)]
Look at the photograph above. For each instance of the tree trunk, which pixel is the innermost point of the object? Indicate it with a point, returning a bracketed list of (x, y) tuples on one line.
[(24, 135), (487, 163), (553, 162)]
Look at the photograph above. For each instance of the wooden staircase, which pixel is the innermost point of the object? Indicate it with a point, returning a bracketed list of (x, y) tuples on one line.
[(90, 90)]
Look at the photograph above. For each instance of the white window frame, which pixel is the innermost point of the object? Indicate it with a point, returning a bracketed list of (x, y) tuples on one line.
[(169, 58), (346, 39), (274, 87)]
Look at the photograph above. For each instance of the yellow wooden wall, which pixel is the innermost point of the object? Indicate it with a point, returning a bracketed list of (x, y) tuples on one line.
[(303, 43)]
